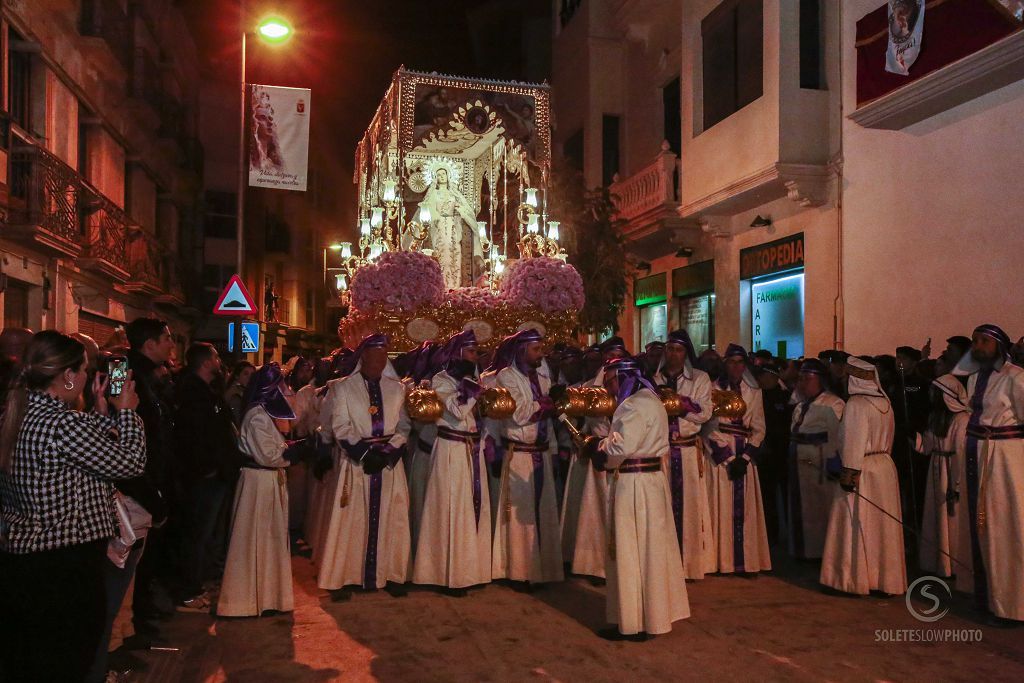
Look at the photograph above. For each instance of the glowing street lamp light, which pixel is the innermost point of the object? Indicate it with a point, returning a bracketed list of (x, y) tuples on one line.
[(274, 30)]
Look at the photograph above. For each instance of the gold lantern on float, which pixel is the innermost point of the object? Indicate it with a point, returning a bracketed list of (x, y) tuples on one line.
[(496, 403), (727, 404), (423, 405)]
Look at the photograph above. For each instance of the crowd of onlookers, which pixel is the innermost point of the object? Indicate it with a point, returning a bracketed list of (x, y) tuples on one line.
[(102, 491)]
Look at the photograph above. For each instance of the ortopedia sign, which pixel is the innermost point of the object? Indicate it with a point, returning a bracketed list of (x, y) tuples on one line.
[(772, 257)]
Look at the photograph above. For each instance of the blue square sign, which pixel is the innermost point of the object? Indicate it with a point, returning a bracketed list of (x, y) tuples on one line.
[(250, 337)]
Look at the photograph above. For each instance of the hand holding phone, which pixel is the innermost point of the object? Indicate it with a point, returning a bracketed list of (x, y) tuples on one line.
[(127, 399), (117, 372)]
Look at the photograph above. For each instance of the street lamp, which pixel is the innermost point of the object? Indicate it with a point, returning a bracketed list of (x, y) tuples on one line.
[(271, 29)]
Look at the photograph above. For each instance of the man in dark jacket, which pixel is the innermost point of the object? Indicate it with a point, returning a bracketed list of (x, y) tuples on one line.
[(151, 346), (778, 413), (208, 462)]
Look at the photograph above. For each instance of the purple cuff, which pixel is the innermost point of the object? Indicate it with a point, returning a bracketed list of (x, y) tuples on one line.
[(468, 389), (719, 453), (690, 406), (547, 406)]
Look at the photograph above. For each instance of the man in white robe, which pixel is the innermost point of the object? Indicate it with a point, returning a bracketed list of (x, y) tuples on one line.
[(367, 540), (813, 441), (454, 548), (686, 461), (993, 476), (646, 588), (258, 569), (734, 490), (864, 541), (527, 546)]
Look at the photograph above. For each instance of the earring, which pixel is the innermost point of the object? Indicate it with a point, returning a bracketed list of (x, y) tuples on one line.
[(69, 385)]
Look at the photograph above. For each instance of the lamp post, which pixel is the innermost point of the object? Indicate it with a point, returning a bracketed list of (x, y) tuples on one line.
[(272, 30)]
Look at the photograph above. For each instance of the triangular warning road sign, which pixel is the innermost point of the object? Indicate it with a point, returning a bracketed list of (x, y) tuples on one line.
[(235, 299)]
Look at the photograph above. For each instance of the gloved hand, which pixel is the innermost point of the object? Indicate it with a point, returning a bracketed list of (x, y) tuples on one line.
[(598, 458), (737, 469), (322, 465), (751, 451), (558, 392), (374, 461), (296, 451), (547, 407), (689, 406), (849, 479), (468, 388)]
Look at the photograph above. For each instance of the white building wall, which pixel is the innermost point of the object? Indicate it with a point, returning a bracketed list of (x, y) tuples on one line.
[(933, 234)]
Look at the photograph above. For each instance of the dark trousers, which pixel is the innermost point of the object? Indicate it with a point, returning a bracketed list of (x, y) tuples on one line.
[(53, 607), (772, 473), (117, 579), (201, 540)]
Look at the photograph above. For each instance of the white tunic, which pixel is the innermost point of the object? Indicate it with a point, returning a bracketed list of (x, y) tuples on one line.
[(740, 547), (941, 516), (998, 520), (686, 471), (454, 547), (361, 502), (258, 570), (863, 546), (646, 588), (527, 546), (325, 490), (810, 490)]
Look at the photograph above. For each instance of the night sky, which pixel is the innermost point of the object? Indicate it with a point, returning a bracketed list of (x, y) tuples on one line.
[(345, 50)]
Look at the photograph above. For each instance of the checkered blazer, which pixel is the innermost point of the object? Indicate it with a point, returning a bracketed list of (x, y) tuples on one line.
[(59, 491)]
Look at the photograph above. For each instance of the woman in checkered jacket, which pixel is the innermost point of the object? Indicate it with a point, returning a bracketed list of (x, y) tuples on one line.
[(56, 498)]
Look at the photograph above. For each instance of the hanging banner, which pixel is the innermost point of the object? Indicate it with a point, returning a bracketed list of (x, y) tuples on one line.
[(906, 24), (278, 137)]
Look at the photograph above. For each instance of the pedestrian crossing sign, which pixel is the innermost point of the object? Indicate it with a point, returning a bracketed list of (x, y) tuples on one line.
[(235, 299), (250, 337)]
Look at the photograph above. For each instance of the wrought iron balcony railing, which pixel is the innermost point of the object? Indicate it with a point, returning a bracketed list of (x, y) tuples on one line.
[(46, 195), (106, 238)]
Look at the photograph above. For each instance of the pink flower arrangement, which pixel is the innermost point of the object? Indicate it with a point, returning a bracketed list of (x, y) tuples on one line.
[(547, 283), (472, 298), (399, 281)]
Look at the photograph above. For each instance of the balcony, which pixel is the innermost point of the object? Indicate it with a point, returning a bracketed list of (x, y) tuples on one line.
[(106, 237), (45, 198), (174, 292), (107, 20), (145, 264), (647, 201)]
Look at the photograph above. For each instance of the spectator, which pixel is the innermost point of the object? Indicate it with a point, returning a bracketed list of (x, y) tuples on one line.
[(151, 346), (236, 384), (772, 469), (208, 462), (56, 471)]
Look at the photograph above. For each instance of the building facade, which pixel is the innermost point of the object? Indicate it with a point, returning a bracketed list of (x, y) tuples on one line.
[(779, 188), (101, 165)]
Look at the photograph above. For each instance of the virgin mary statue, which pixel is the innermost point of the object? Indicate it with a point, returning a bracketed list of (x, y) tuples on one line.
[(452, 226)]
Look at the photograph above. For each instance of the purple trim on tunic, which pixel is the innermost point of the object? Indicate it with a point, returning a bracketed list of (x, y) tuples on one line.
[(676, 473), (971, 467), (376, 487)]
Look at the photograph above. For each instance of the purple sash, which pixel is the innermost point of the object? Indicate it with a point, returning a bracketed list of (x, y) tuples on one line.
[(376, 486)]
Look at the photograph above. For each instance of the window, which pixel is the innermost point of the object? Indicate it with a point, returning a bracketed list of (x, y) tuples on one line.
[(811, 66), (697, 317), (19, 78), (609, 148), (572, 149), (733, 44), (673, 121), (653, 323), (220, 215)]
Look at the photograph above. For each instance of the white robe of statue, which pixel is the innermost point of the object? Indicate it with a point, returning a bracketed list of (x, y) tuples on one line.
[(258, 570), (816, 426), (646, 588), (527, 544), (351, 556), (454, 546), (450, 215), (998, 520), (864, 546), (689, 488)]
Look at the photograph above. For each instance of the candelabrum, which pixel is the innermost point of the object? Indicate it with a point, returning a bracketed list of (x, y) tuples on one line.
[(532, 238)]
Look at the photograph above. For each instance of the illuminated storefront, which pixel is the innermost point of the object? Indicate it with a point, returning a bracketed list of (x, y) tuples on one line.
[(774, 275), (651, 301), (693, 293)]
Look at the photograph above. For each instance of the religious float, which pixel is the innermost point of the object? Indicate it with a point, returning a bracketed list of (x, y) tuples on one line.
[(454, 229)]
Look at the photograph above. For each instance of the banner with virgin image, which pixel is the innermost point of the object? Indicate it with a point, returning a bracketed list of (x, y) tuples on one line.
[(906, 25), (278, 137)]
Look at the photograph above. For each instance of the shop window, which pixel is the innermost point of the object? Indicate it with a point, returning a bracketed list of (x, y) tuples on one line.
[(697, 317), (777, 314), (610, 152), (732, 39), (653, 323)]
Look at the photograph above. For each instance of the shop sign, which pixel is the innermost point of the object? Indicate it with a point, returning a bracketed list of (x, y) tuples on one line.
[(696, 279), (773, 257), (650, 290)]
